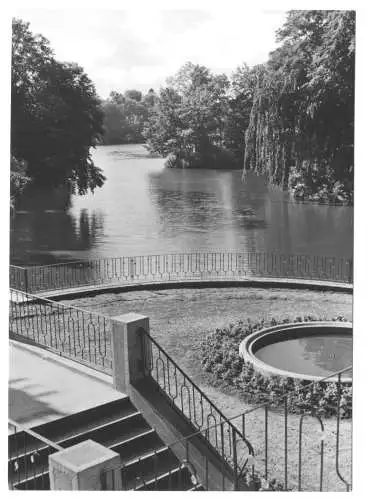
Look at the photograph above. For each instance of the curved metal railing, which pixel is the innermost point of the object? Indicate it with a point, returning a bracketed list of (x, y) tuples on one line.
[(190, 266), (70, 331)]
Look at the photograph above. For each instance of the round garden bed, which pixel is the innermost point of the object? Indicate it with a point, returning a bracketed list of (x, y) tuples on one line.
[(257, 382)]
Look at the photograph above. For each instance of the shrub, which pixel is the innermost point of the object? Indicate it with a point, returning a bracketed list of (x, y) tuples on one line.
[(220, 359)]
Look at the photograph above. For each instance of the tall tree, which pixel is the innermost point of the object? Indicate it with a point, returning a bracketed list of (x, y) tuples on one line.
[(301, 125), (56, 115)]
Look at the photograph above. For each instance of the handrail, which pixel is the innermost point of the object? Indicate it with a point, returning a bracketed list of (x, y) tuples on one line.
[(28, 453), (190, 400), (246, 467), (34, 434), (185, 375)]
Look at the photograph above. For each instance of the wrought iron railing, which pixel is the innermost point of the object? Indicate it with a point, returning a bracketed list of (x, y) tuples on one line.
[(293, 452), (28, 454), (86, 337), (190, 401), (304, 451), (69, 331), (18, 277), (206, 265)]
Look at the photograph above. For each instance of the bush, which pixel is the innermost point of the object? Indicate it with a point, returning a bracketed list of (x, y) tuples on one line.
[(220, 359), (319, 184)]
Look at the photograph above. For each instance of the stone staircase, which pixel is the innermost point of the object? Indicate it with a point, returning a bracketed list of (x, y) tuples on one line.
[(147, 463)]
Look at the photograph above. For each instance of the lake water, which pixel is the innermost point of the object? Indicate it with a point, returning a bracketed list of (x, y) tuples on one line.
[(316, 355), (144, 208)]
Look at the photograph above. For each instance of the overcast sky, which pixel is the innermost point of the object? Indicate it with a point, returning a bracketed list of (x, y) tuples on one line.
[(140, 49)]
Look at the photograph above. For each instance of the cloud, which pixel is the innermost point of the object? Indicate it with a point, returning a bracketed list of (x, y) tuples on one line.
[(140, 49), (180, 21)]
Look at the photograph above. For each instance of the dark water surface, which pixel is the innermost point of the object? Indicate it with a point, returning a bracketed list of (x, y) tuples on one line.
[(317, 355), (144, 208)]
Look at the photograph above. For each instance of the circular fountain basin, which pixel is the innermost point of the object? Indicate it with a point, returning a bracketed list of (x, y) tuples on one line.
[(309, 351)]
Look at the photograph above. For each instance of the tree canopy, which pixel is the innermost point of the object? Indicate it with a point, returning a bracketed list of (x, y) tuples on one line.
[(55, 115), (301, 128), (189, 117)]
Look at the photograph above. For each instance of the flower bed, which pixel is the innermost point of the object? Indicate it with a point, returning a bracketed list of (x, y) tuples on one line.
[(220, 359)]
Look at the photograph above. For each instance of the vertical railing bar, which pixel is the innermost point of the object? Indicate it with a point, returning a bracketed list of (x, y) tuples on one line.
[(338, 405), (300, 454), (266, 442), (235, 460), (286, 441), (222, 455), (322, 451)]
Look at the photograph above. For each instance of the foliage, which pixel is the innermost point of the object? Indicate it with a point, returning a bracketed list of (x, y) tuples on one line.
[(240, 101), (189, 118), (18, 177), (220, 358), (125, 116), (56, 115), (302, 118), (255, 482)]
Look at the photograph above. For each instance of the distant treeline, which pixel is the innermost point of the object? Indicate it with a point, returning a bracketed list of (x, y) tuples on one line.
[(125, 116)]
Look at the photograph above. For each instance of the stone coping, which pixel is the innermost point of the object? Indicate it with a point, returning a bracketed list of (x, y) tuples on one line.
[(256, 282), (288, 331)]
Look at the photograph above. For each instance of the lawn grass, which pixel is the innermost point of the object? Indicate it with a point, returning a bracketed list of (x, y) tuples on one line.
[(179, 320)]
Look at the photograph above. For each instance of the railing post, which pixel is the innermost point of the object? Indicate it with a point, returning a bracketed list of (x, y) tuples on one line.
[(26, 284), (132, 267), (235, 460), (351, 271), (128, 350), (81, 467)]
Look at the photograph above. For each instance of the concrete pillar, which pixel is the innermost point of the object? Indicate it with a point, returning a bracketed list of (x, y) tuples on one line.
[(129, 350), (80, 467)]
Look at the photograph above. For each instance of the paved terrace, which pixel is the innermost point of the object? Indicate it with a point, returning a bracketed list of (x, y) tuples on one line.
[(44, 387)]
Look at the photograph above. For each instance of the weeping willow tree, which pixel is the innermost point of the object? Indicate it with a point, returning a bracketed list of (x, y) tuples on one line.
[(301, 126)]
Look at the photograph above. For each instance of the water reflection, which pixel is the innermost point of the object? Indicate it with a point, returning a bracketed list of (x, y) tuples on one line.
[(330, 353), (213, 203), (44, 218), (145, 209), (315, 355)]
